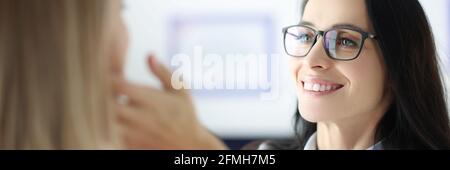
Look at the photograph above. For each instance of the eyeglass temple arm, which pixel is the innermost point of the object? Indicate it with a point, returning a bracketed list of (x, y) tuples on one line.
[(284, 30), (292, 35)]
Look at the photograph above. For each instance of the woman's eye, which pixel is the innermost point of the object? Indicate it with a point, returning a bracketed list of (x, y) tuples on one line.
[(304, 38), (348, 43)]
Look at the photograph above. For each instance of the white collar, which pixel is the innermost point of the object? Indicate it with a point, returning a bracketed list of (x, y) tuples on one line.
[(311, 144)]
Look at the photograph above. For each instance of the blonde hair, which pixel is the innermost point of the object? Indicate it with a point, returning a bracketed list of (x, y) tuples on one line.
[(54, 84)]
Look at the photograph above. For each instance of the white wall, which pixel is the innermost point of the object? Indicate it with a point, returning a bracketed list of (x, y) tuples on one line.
[(439, 16)]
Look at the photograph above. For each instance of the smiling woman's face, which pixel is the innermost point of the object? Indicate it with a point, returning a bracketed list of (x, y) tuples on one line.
[(356, 88)]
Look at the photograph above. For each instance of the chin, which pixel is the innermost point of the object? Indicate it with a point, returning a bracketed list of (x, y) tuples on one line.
[(316, 115), (311, 117)]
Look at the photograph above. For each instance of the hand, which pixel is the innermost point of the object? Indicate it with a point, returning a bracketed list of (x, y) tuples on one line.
[(160, 119)]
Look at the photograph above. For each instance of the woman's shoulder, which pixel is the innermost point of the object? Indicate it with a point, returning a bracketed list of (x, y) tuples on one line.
[(272, 145), (254, 145)]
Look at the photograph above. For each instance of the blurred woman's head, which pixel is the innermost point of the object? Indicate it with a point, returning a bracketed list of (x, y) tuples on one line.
[(56, 58), (378, 62)]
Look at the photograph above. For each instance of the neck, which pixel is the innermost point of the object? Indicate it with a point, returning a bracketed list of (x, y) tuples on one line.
[(355, 133)]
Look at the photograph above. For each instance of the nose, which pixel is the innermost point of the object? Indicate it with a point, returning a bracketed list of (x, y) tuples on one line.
[(317, 58)]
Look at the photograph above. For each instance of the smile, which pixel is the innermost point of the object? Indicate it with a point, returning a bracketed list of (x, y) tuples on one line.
[(320, 87)]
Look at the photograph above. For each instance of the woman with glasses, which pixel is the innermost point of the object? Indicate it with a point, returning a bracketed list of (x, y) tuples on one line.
[(367, 77)]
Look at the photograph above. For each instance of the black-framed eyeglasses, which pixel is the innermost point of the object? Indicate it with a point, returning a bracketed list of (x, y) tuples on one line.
[(342, 43)]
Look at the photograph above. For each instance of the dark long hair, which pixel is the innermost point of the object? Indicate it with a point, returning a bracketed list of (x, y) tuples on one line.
[(418, 117)]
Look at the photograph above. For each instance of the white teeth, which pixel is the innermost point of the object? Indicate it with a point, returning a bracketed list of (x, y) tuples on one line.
[(318, 87), (308, 86), (322, 88)]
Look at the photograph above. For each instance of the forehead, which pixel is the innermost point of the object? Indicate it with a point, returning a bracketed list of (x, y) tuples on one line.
[(323, 14)]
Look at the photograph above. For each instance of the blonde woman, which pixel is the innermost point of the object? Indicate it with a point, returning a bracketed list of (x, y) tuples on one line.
[(55, 60)]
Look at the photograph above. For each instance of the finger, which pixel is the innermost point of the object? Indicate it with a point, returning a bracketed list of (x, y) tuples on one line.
[(135, 139), (132, 138), (138, 131), (143, 120), (164, 75), (160, 71), (140, 95), (134, 117)]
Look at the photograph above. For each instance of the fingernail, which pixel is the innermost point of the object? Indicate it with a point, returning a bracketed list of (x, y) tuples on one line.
[(154, 64), (154, 60)]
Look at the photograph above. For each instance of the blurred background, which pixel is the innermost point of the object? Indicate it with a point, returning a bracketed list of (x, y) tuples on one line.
[(227, 29)]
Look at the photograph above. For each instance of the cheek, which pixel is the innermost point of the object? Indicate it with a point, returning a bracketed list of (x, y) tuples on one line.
[(122, 40), (119, 47), (124, 37), (367, 82), (295, 65)]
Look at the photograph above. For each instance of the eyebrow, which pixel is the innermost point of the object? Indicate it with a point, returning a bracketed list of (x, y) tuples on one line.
[(345, 25)]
